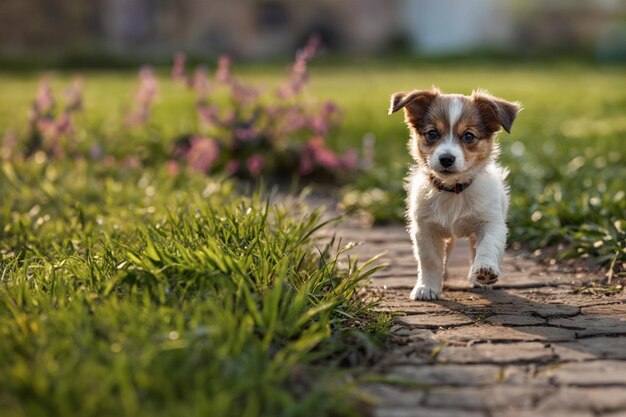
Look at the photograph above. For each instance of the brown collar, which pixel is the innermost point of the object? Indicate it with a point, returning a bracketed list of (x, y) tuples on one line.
[(456, 188)]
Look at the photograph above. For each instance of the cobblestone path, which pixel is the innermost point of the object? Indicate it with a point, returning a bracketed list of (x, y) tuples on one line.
[(532, 346)]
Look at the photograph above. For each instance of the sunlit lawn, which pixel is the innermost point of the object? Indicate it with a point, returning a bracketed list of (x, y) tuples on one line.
[(138, 292)]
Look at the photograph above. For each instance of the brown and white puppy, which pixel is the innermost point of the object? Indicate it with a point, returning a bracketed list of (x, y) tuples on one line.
[(455, 188)]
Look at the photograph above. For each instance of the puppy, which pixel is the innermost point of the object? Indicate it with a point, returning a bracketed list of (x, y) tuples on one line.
[(455, 189)]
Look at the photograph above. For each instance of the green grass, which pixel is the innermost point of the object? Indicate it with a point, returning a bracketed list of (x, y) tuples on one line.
[(132, 292)]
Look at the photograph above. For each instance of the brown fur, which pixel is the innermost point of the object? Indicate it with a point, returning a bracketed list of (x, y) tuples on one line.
[(482, 115)]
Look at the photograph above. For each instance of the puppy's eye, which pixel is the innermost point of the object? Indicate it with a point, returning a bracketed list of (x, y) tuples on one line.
[(432, 134), (468, 137)]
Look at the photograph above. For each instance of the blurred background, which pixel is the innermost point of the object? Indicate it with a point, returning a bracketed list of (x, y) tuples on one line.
[(92, 32)]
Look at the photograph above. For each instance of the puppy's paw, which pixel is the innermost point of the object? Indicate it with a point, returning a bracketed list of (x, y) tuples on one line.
[(422, 292), (483, 276)]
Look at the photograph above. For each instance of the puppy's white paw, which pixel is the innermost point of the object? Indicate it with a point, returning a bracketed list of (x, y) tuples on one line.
[(422, 292), (483, 276)]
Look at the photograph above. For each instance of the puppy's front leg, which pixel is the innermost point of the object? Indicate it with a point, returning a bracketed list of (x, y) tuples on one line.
[(491, 240), (428, 246)]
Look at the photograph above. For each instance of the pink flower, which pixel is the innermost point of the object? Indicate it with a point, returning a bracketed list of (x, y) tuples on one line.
[(232, 166), (144, 97), (9, 144), (350, 160), (202, 153), (322, 155), (311, 47), (329, 108), (245, 134), (319, 125), (299, 73), (328, 159), (243, 93), (74, 95), (291, 120), (131, 162), (44, 101), (173, 168), (46, 126), (223, 73), (64, 124), (208, 115), (200, 83), (148, 85), (255, 164), (305, 166), (179, 73)]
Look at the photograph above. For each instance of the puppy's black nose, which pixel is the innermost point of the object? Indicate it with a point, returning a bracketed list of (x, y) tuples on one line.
[(446, 160)]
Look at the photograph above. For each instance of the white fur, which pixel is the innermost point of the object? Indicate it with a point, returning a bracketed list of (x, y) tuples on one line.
[(454, 112), (449, 144), (437, 217)]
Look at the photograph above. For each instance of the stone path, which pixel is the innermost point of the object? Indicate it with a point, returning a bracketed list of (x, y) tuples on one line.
[(532, 346)]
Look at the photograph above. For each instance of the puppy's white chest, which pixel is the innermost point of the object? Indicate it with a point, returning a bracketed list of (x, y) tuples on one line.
[(453, 213)]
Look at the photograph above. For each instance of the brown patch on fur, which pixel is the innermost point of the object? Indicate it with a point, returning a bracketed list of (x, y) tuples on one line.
[(435, 117), (496, 112), (472, 121), (415, 103), (478, 152)]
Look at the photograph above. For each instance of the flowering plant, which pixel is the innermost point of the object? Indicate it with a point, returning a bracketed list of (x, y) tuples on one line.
[(254, 132), (260, 133), (51, 125)]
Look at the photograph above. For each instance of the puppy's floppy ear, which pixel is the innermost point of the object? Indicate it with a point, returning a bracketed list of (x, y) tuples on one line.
[(496, 111), (414, 99)]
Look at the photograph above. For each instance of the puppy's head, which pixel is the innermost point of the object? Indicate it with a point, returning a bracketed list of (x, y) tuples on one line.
[(451, 134)]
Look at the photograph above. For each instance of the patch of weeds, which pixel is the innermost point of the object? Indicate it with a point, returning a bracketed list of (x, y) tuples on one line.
[(599, 289), (437, 349)]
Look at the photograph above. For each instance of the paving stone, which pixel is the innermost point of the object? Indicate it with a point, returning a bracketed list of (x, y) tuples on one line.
[(454, 375), (425, 412), (393, 395), (491, 397), (509, 302), (565, 295), (514, 320), (592, 348), (396, 271), (592, 373), (431, 321), (621, 413), (397, 282), (592, 325), (618, 309), (497, 353), (410, 307), (458, 300), (574, 398), (398, 300), (526, 375), (376, 234), (505, 334), (553, 413), (522, 307)]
